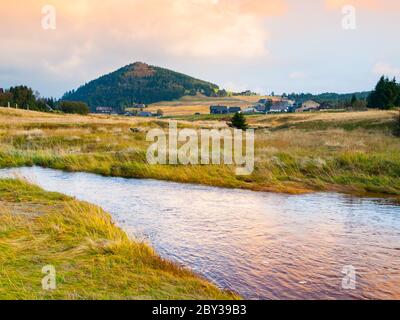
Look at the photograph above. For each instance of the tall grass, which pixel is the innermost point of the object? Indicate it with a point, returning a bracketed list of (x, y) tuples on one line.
[(93, 258), (348, 152)]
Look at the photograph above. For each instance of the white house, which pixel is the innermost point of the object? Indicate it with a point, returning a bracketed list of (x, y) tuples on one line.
[(309, 105)]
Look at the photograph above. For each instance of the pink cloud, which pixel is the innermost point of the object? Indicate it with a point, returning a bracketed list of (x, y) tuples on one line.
[(376, 5), (199, 28)]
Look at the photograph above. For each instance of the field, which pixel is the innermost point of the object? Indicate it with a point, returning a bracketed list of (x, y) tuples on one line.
[(93, 258), (191, 105), (352, 152)]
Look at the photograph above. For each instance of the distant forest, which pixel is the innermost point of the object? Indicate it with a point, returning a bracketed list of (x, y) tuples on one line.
[(139, 83), (329, 97)]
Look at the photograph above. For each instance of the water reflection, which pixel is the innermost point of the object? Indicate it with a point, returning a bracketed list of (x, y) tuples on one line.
[(264, 246)]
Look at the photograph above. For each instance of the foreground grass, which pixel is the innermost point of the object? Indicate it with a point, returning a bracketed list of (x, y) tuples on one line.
[(354, 152), (93, 258)]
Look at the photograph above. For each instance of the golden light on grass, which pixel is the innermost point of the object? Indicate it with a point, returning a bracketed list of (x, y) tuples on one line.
[(93, 258), (353, 152)]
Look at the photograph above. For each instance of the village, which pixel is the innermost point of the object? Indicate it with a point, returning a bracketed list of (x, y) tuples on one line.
[(263, 106), (269, 106)]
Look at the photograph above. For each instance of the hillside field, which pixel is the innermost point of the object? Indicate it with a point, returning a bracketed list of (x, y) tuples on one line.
[(190, 105)]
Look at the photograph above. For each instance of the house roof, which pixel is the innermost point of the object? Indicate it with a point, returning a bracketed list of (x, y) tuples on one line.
[(104, 108), (145, 113), (310, 103), (235, 109), (279, 106), (218, 107)]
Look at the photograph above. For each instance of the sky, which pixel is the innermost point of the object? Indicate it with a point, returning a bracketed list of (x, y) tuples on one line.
[(261, 45)]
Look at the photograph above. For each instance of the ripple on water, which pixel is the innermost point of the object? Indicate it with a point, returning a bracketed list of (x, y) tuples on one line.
[(264, 246)]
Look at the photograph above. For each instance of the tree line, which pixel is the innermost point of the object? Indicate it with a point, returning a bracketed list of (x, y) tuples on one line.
[(386, 94), (23, 97)]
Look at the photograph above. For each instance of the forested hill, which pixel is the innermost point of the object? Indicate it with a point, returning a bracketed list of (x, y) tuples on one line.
[(138, 83)]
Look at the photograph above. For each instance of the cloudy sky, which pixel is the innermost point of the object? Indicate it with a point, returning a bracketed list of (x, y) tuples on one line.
[(263, 45)]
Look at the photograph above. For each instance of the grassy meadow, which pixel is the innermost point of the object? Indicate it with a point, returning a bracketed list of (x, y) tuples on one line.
[(93, 258), (190, 105), (351, 152)]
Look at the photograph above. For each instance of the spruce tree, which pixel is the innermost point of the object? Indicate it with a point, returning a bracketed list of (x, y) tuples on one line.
[(386, 94), (239, 122)]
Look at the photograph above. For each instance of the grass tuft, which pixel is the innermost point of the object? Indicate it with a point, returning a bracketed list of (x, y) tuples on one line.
[(93, 258)]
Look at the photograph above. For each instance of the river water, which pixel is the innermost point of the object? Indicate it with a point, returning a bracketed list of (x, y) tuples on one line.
[(261, 245)]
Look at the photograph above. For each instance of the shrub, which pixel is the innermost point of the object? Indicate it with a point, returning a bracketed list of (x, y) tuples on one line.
[(74, 107)]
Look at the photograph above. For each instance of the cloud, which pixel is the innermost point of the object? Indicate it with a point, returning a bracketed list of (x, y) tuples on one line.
[(374, 5), (94, 37), (386, 69), (198, 28)]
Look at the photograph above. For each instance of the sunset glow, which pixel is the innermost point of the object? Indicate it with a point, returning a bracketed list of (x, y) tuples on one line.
[(231, 38)]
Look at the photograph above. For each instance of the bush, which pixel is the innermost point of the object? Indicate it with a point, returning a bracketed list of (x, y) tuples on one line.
[(75, 107)]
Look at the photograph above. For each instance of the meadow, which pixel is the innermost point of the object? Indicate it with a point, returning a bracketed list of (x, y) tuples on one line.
[(190, 105), (354, 153), (350, 152)]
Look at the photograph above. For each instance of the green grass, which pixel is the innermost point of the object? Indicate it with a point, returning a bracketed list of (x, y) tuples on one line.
[(93, 258), (347, 152)]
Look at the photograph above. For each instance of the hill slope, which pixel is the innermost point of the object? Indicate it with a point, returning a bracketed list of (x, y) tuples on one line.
[(138, 83)]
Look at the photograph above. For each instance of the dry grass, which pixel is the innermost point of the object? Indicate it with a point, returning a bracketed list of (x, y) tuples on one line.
[(180, 110), (93, 258), (329, 118), (347, 152), (201, 104)]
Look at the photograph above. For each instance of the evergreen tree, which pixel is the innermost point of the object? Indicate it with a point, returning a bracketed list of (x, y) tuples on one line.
[(353, 100), (239, 122), (386, 94), (75, 107)]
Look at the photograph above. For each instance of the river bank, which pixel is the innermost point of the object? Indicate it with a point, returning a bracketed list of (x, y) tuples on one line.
[(93, 258), (260, 245)]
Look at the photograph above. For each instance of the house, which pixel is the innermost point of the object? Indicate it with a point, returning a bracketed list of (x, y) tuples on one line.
[(250, 110), (139, 106), (285, 105), (235, 110), (262, 108), (308, 106), (105, 110), (145, 114), (219, 110), (279, 107)]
